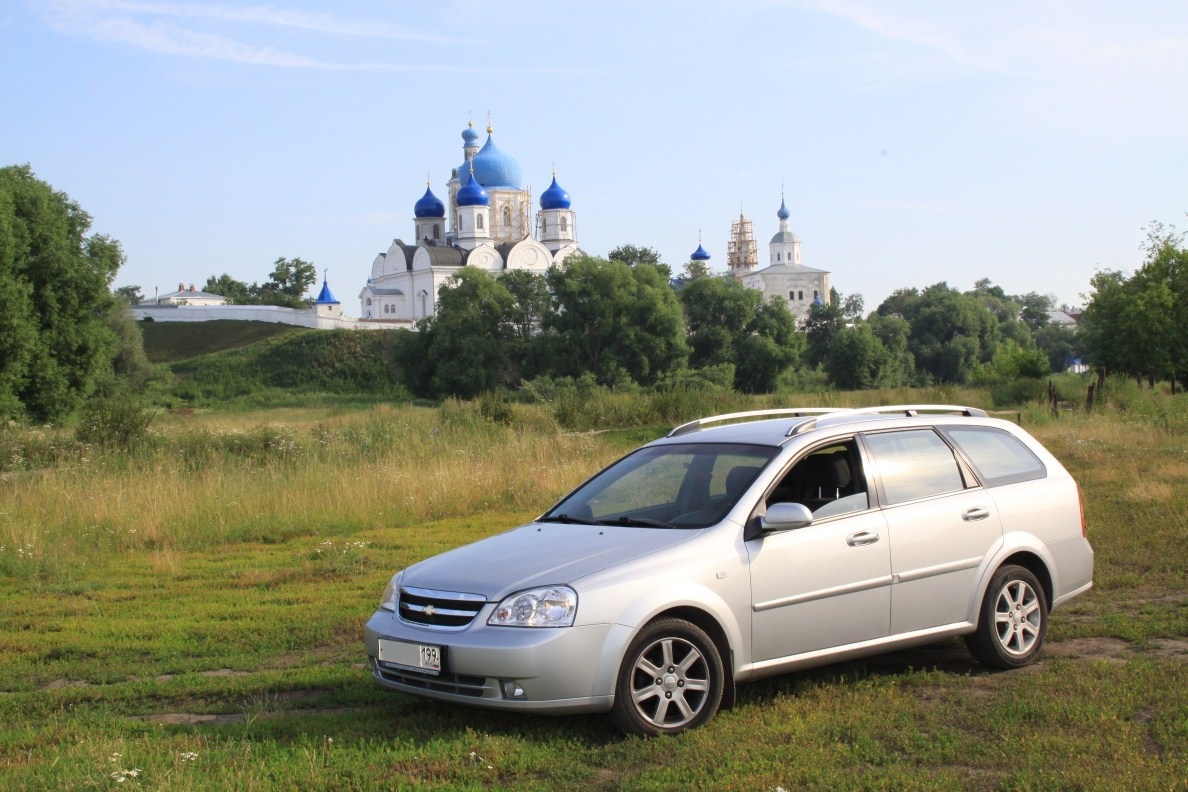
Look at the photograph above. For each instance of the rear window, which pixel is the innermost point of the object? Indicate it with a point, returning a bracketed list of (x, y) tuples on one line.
[(997, 456)]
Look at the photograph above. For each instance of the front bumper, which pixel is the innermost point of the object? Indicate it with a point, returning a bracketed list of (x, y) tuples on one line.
[(549, 670)]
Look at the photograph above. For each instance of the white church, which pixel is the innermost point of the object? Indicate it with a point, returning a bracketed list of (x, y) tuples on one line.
[(490, 226), (785, 277)]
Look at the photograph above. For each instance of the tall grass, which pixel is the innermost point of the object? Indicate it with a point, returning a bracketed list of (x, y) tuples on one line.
[(197, 482)]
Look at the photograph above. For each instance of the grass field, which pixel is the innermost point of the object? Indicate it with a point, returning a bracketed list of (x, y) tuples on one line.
[(187, 615)]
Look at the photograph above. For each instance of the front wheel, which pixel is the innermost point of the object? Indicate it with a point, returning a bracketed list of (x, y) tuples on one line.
[(1012, 621), (671, 680)]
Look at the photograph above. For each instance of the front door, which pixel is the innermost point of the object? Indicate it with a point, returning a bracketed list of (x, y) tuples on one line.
[(821, 586)]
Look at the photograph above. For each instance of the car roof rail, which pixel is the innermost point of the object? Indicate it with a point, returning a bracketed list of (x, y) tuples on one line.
[(908, 410), (793, 412), (915, 409)]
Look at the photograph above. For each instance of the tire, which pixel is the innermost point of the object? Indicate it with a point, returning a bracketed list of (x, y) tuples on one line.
[(1012, 620), (671, 680)]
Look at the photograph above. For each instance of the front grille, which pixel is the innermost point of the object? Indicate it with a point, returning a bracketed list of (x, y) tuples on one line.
[(456, 684), (439, 608)]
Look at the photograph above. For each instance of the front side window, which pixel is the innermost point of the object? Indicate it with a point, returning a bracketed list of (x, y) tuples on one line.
[(671, 486), (914, 464), (829, 481)]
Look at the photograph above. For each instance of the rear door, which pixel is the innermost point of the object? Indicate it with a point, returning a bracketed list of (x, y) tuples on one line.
[(941, 524)]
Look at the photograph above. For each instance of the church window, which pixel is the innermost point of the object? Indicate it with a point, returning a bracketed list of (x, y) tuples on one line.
[(436, 231), (369, 301), (777, 256), (791, 295), (506, 216), (800, 295), (564, 225), (816, 294), (478, 222)]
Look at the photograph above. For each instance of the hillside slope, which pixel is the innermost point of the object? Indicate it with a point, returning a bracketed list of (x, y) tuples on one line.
[(168, 342), (252, 362)]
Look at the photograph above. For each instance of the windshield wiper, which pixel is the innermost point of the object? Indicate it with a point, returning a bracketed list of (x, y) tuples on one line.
[(637, 522), (567, 519)]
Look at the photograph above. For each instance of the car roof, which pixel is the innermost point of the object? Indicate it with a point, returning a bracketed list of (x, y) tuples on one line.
[(777, 427)]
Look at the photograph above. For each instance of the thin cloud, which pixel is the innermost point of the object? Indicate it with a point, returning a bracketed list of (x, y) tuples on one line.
[(155, 27), (262, 15), (171, 40)]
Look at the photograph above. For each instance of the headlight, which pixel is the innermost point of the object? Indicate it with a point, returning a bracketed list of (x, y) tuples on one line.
[(551, 606), (388, 600)]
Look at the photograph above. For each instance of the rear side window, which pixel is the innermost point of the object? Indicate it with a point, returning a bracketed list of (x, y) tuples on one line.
[(914, 464), (997, 457)]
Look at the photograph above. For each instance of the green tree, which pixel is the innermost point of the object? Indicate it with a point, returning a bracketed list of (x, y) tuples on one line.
[(821, 326), (632, 255), (469, 335), (1059, 343), (287, 284), (55, 342), (616, 322), (718, 312), (694, 270), (1136, 324), (951, 332), (857, 359), (530, 295), (129, 294), (1011, 362), (893, 332), (769, 347), (233, 291), (1034, 310)]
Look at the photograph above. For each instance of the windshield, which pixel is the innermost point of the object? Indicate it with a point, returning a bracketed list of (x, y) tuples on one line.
[(669, 486)]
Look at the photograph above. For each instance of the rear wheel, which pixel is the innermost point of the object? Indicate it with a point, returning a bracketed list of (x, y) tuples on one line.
[(671, 680), (1012, 621)]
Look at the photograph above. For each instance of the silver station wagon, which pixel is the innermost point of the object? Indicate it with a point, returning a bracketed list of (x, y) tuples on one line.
[(742, 546)]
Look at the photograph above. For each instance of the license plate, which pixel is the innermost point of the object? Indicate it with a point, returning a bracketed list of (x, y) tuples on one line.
[(421, 657)]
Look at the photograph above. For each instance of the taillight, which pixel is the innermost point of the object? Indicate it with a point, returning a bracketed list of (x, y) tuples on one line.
[(1081, 507)]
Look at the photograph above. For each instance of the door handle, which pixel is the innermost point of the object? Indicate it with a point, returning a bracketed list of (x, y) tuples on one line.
[(978, 513), (862, 538)]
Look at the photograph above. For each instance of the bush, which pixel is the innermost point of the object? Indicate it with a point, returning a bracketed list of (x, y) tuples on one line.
[(1017, 392), (117, 421)]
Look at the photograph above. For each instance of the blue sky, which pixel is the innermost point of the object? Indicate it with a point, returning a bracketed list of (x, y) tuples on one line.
[(1030, 143)]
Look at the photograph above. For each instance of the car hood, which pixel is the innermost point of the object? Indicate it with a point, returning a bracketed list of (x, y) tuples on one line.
[(537, 554)]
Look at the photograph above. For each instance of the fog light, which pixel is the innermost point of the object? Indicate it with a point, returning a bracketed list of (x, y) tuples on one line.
[(511, 689)]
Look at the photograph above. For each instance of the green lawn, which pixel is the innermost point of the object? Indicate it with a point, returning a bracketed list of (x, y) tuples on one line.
[(188, 616)]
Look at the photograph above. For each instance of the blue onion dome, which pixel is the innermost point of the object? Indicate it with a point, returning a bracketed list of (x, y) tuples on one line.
[(469, 136), (494, 169), (472, 193), (554, 197), (700, 254), (783, 214), (429, 206)]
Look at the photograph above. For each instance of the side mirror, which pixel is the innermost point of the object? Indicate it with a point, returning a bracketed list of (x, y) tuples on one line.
[(785, 516)]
